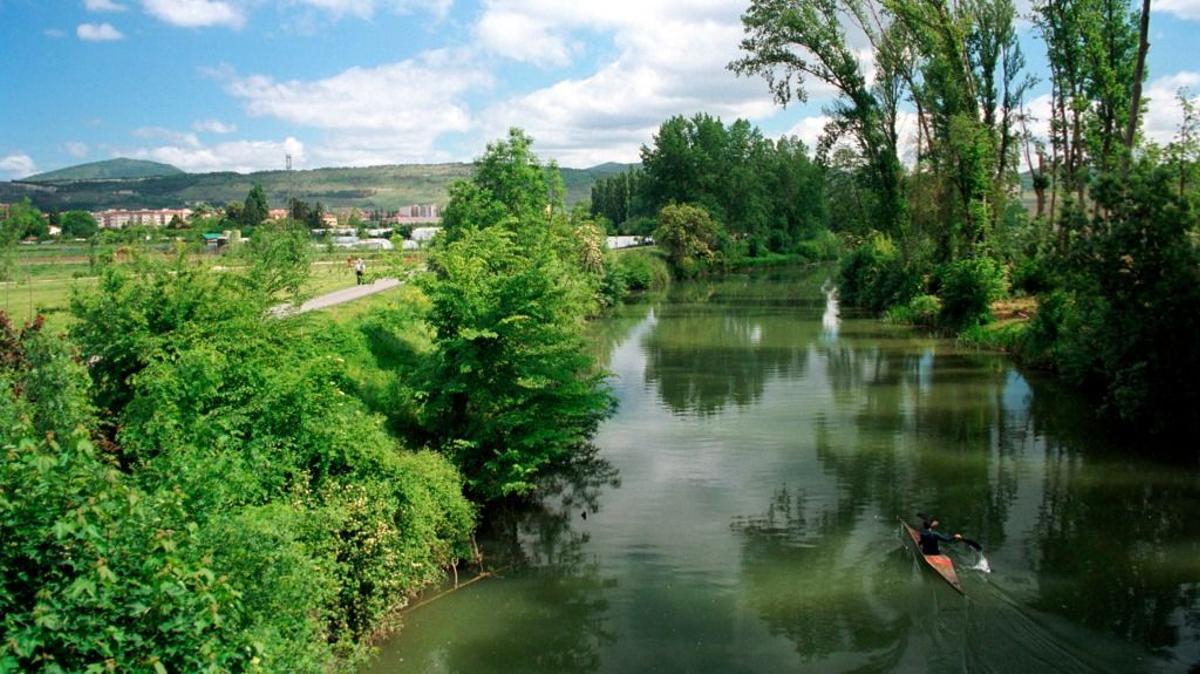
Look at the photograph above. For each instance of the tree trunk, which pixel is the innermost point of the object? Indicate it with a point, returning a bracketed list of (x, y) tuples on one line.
[(1138, 74)]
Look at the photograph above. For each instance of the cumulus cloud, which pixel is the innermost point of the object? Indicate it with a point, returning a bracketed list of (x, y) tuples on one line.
[(1162, 117), (76, 149), (196, 13), (524, 38), (1163, 114), (103, 6), (213, 126), (1183, 9), (669, 58), (365, 9), (98, 32), (371, 115), (242, 156), (17, 166)]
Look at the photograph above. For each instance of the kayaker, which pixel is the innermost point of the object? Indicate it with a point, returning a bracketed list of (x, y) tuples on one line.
[(930, 537)]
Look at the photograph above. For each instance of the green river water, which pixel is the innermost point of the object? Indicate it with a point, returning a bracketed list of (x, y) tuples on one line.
[(741, 512)]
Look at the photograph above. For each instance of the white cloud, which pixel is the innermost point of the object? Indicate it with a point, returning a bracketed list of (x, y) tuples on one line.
[(213, 126), (54, 33), (372, 115), (1184, 9), (669, 58), (103, 6), (98, 32), (242, 156), (17, 166), (810, 129), (365, 9), (1163, 114), (76, 149), (196, 13), (523, 38)]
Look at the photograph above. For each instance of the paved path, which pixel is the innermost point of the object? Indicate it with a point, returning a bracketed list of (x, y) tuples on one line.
[(337, 297)]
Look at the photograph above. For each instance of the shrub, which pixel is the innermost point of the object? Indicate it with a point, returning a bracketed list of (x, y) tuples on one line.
[(920, 310), (642, 270), (968, 288), (873, 276)]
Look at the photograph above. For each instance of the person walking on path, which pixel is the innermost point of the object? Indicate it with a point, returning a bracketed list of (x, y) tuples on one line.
[(360, 268)]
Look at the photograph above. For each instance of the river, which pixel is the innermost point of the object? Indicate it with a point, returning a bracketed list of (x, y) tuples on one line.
[(740, 512)]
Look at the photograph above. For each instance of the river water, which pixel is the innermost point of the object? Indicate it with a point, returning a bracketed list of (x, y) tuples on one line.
[(740, 512)]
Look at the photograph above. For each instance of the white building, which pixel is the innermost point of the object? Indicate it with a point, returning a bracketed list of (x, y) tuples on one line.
[(116, 218)]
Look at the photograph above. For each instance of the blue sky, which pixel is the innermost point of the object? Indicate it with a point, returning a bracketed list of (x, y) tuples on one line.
[(238, 84)]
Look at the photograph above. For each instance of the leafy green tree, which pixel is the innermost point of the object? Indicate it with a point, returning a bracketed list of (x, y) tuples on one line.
[(789, 42), (508, 358), (690, 236), (24, 221), (79, 225), (255, 209), (509, 185)]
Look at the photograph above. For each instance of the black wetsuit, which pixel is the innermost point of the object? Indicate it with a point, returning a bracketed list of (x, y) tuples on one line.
[(929, 541)]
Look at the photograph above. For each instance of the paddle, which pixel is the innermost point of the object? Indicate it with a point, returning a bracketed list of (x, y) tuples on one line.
[(970, 543)]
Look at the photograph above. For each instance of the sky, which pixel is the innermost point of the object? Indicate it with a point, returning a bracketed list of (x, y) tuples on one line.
[(236, 85)]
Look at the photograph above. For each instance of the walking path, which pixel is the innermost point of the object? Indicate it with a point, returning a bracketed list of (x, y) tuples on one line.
[(336, 297)]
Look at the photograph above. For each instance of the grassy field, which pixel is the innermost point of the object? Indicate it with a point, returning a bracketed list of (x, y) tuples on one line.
[(45, 276)]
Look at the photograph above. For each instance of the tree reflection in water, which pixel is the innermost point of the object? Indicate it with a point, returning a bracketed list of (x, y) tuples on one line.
[(798, 580), (559, 625)]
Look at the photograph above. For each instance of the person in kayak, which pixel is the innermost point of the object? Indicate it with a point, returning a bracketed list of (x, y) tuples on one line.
[(930, 536)]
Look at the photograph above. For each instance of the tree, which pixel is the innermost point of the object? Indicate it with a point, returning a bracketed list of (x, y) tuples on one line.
[(689, 235), (512, 279), (255, 209), (79, 225), (24, 221), (508, 358), (789, 42)]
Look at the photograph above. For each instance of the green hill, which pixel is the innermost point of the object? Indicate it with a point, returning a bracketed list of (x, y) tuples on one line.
[(109, 169), (382, 187)]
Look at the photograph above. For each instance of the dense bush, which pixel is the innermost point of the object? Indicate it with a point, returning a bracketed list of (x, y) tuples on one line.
[(507, 359), (822, 247), (920, 310), (642, 270), (249, 514), (874, 275), (968, 287)]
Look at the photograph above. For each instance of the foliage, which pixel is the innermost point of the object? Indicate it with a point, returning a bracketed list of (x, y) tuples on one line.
[(920, 310), (280, 260), (770, 190), (1130, 318), (24, 221), (641, 270), (967, 289), (875, 276), (297, 500), (508, 358), (78, 225), (255, 209), (690, 237)]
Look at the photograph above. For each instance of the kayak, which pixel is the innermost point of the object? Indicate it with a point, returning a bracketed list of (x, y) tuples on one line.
[(942, 564)]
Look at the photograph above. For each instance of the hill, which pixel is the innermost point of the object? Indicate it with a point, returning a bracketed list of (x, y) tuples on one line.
[(383, 187), (109, 169)]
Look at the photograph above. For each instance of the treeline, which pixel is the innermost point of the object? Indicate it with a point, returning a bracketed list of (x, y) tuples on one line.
[(1108, 247), (193, 484), (764, 196)]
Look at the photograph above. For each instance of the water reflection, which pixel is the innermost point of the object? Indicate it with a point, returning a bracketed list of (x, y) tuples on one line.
[(830, 320), (766, 445)]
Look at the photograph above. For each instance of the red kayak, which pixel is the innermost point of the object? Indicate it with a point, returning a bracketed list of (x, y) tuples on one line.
[(939, 563)]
